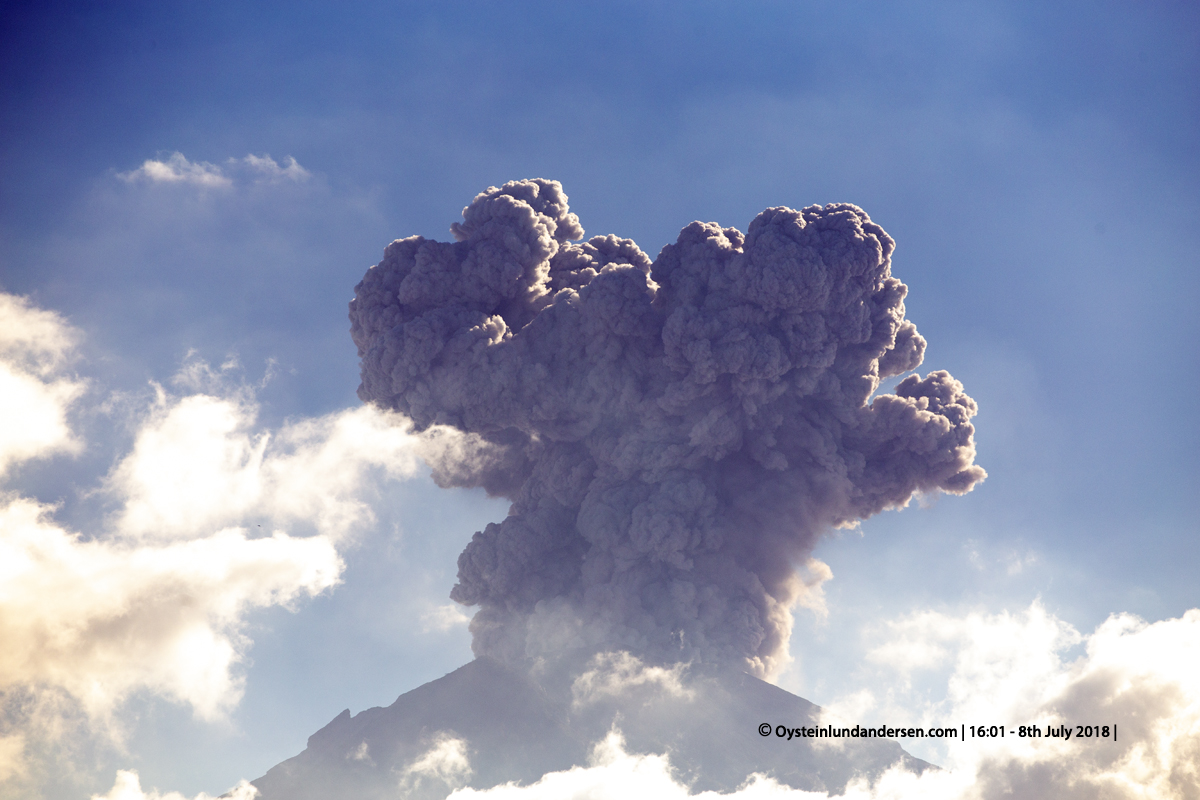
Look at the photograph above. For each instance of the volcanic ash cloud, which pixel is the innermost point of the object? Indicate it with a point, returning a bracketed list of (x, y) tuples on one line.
[(674, 435)]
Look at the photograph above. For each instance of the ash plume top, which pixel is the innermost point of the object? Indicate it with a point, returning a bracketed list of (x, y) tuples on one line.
[(674, 435)]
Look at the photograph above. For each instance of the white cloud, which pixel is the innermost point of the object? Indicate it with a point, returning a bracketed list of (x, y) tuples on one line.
[(616, 674), (102, 618), (614, 774), (1010, 669), (1005, 664), (268, 170), (34, 398), (445, 763), (199, 463), (177, 169), (39, 340), (1007, 669), (129, 787), (361, 753), (154, 599)]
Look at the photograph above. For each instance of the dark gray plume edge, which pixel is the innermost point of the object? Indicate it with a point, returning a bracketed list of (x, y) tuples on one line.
[(674, 435)]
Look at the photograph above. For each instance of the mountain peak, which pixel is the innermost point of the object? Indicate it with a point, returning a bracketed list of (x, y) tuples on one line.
[(488, 723)]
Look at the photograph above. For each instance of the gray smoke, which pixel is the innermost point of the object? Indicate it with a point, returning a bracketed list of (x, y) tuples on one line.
[(674, 435)]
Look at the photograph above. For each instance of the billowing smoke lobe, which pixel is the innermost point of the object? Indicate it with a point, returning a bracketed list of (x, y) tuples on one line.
[(674, 435)]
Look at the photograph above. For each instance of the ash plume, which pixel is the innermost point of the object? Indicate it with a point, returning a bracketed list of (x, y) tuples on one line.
[(674, 435)]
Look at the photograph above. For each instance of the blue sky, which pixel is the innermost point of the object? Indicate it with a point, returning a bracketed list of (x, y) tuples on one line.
[(1036, 164)]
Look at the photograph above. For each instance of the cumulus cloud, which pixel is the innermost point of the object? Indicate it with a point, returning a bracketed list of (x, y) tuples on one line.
[(129, 787), (177, 169), (675, 434), (154, 598), (1011, 668), (104, 617), (198, 463), (1007, 669)]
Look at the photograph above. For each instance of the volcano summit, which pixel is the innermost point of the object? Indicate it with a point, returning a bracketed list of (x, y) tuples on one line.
[(674, 435)]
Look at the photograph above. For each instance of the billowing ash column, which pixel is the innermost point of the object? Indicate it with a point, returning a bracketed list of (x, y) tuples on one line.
[(674, 435)]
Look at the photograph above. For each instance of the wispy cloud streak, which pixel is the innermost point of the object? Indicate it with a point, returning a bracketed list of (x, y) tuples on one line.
[(177, 169)]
